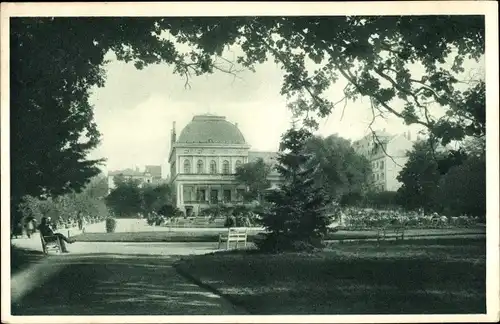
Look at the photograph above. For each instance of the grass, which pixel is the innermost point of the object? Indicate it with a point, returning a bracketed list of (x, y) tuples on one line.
[(412, 277), (210, 236)]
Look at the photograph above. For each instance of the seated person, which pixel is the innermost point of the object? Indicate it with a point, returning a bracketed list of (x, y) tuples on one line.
[(46, 230)]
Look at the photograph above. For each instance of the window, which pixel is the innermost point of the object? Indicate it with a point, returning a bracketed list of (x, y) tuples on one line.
[(382, 175), (376, 164), (187, 166), (227, 195), (237, 165), (381, 165), (214, 196), (201, 195), (377, 176), (199, 166), (225, 167), (213, 167), (186, 193)]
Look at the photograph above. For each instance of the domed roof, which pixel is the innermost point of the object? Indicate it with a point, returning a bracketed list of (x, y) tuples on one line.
[(211, 129)]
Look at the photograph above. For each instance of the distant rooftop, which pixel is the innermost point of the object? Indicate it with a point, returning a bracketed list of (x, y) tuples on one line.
[(209, 128), (153, 170)]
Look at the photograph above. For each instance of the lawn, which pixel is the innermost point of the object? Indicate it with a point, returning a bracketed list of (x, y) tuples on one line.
[(410, 277), (21, 259), (211, 236)]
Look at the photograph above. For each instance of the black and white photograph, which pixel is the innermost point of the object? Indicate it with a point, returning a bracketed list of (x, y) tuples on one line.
[(250, 162)]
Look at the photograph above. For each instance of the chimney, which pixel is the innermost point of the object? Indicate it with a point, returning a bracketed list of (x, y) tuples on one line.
[(409, 136), (174, 135), (236, 124)]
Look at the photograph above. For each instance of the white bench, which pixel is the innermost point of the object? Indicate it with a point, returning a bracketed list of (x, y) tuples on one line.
[(234, 234)]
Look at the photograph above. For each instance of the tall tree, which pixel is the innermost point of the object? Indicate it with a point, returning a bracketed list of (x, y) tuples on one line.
[(295, 219), (343, 171), (125, 200), (155, 196), (420, 177), (462, 191), (254, 175)]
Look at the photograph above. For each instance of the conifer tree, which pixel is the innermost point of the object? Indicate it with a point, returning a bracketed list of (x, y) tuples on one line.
[(295, 220)]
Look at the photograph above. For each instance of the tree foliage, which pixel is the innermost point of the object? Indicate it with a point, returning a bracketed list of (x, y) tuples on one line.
[(343, 171), (154, 197), (462, 191), (131, 197), (125, 200), (419, 177), (55, 62), (295, 218), (89, 202), (449, 181), (254, 175)]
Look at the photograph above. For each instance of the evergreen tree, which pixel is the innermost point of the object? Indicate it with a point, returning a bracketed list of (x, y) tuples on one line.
[(295, 220)]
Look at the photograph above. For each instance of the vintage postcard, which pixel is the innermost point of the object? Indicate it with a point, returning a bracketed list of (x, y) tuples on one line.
[(253, 162)]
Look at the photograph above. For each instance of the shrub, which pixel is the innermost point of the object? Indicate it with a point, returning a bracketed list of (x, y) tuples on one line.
[(110, 225), (230, 221), (243, 221)]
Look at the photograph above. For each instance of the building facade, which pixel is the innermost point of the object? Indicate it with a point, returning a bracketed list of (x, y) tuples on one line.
[(387, 155), (203, 162)]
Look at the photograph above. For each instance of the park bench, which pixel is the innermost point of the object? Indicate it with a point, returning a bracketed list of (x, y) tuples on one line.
[(50, 243), (397, 230), (234, 234)]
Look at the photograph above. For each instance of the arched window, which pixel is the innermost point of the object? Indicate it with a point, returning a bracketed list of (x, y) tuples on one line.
[(237, 165), (213, 167), (225, 167), (187, 166), (199, 167)]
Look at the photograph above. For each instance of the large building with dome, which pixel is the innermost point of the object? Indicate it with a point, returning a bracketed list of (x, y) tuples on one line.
[(203, 162)]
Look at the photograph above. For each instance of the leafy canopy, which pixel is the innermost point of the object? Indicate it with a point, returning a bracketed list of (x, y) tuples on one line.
[(343, 171), (255, 176), (448, 181), (55, 62)]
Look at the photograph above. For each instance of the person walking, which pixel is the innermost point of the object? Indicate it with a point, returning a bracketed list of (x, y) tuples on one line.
[(80, 221), (30, 227)]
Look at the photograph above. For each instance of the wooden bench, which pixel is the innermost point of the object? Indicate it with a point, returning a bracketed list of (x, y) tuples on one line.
[(398, 231), (50, 243), (234, 234)]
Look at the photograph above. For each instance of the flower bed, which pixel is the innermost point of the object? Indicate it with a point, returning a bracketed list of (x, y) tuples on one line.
[(363, 219)]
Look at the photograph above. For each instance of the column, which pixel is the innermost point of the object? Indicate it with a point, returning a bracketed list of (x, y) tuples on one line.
[(178, 194)]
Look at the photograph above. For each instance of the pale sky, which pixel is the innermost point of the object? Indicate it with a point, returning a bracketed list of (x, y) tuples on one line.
[(135, 110)]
